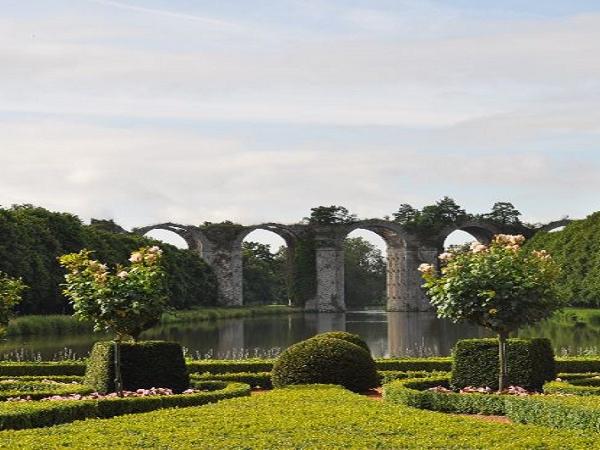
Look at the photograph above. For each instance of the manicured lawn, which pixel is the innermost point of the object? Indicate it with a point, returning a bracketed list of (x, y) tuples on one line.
[(307, 417)]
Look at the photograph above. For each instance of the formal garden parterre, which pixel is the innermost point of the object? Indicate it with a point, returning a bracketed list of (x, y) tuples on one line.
[(164, 398)]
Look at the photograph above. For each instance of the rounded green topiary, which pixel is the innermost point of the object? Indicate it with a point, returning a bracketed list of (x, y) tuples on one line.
[(344, 336), (328, 361)]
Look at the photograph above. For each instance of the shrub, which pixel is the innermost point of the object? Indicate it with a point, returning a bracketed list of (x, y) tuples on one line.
[(144, 365), (327, 361), (345, 336), (530, 363)]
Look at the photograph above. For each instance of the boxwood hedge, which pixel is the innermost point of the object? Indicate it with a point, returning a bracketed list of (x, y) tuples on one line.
[(144, 365), (17, 415), (328, 361), (574, 364), (570, 412), (259, 379), (530, 363)]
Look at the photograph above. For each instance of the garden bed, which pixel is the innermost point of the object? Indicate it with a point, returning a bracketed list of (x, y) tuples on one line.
[(557, 411)]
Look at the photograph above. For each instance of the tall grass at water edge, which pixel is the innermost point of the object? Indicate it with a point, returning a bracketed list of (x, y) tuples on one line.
[(57, 324)]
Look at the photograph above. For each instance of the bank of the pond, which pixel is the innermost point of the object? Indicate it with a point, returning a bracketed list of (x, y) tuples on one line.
[(56, 324)]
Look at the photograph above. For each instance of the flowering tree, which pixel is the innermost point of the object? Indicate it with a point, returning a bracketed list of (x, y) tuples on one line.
[(10, 295), (125, 302), (501, 287)]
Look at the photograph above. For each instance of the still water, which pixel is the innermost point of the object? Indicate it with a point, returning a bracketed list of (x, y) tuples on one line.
[(387, 333)]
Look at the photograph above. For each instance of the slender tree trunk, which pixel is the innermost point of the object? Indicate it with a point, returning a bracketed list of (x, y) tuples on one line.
[(503, 372), (118, 375)]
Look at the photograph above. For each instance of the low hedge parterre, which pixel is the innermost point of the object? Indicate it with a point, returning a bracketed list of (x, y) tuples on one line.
[(569, 412), (20, 415), (316, 417)]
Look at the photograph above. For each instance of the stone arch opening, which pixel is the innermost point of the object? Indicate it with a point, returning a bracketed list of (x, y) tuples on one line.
[(266, 259), (402, 257), (458, 234), (168, 237), (365, 270), (182, 236), (458, 238)]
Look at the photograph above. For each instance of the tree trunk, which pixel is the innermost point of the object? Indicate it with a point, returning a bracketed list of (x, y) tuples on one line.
[(118, 376), (503, 372)]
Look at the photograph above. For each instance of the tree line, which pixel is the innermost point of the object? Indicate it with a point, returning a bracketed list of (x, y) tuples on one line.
[(32, 238), (576, 249)]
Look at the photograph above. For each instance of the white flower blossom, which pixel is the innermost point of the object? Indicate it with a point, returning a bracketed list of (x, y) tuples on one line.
[(445, 257), (135, 257), (425, 268)]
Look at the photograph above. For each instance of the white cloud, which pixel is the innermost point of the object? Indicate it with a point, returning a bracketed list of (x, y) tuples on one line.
[(494, 110)]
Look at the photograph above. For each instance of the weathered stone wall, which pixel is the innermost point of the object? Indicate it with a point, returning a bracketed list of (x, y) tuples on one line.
[(330, 281)]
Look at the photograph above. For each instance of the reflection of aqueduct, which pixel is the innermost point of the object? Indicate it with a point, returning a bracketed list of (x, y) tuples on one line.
[(220, 245)]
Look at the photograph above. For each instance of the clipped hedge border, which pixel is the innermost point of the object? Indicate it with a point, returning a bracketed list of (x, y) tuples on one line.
[(253, 379), (40, 378), (387, 376), (220, 366), (17, 416), (574, 387), (569, 412), (571, 364), (36, 390), (16, 369)]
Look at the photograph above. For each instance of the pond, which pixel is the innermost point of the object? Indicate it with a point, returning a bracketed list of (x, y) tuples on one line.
[(388, 334)]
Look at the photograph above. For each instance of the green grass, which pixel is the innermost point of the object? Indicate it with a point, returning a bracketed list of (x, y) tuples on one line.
[(56, 324), (305, 417)]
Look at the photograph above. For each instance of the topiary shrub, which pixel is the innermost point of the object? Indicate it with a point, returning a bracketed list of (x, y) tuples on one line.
[(327, 361), (530, 363), (344, 336), (144, 365)]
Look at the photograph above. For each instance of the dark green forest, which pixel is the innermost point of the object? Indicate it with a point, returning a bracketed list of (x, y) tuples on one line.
[(577, 249), (31, 238)]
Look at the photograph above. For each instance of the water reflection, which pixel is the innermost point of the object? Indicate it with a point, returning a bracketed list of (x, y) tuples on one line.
[(388, 334)]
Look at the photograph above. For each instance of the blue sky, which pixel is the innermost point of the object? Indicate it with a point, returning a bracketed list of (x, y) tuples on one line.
[(147, 111)]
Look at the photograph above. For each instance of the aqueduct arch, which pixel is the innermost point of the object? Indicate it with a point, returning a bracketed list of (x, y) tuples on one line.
[(403, 281), (481, 231), (220, 246)]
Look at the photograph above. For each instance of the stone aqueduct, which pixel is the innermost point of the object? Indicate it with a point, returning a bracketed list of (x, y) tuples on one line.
[(220, 246)]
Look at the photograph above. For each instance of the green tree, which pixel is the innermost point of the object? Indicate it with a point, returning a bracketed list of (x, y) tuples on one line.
[(126, 301), (504, 213), (501, 287), (11, 290), (364, 273), (32, 238), (328, 215), (444, 212), (406, 214), (264, 274)]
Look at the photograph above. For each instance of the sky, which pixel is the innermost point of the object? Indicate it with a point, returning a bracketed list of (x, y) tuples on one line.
[(256, 111)]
